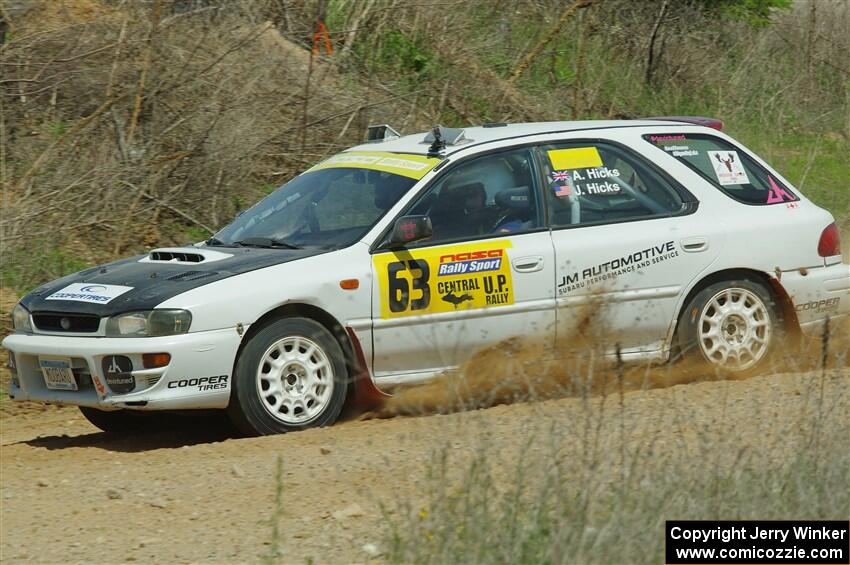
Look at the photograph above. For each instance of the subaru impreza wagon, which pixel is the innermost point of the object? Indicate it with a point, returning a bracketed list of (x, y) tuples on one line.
[(396, 260)]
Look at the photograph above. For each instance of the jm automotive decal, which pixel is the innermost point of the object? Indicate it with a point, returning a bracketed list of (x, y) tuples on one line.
[(444, 279), (616, 267)]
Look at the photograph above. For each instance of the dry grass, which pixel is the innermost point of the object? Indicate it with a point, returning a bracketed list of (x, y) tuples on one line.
[(128, 125), (594, 483), (584, 364)]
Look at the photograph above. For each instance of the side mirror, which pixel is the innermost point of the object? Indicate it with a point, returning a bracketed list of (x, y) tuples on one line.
[(409, 229)]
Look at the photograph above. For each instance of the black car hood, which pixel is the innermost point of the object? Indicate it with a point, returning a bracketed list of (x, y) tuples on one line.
[(155, 282)]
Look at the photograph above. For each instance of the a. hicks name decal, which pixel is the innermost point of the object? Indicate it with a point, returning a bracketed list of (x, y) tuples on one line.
[(444, 279)]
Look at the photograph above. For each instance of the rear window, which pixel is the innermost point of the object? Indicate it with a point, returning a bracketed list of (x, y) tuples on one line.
[(725, 166)]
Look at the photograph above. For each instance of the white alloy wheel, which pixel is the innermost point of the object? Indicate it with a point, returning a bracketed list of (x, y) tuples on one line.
[(734, 329), (295, 380)]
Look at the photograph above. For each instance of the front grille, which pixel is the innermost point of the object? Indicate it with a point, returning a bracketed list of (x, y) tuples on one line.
[(74, 323)]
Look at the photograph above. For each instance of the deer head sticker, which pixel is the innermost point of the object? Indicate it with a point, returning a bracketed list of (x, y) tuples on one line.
[(727, 161)]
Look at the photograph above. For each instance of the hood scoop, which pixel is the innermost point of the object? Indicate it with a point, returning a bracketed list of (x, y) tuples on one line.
[(182, 255)]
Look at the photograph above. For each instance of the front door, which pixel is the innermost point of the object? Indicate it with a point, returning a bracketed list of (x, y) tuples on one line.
[(486, 275)]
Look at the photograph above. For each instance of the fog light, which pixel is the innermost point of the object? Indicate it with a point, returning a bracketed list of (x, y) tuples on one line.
[(154, 360)]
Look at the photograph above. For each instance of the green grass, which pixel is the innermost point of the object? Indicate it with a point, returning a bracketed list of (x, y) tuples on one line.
[(816, 163)]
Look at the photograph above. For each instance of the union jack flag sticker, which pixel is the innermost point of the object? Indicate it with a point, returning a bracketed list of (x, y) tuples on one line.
[(560, 176)]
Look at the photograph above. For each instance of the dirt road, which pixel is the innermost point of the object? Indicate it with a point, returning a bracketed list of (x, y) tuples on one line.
[(73, 494)]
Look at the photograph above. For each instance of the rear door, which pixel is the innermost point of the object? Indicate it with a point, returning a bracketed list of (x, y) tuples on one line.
[(486, 275), (628, 239)]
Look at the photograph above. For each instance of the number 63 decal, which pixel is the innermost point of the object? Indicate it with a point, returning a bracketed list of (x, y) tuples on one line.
[(401, 290)]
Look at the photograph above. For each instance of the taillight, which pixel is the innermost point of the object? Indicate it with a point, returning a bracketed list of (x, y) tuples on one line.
[(830, 242)]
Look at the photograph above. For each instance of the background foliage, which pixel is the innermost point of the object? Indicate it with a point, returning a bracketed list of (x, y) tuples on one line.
[(131, 124)]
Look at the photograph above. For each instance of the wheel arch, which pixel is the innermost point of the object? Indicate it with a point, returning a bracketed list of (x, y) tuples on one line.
[(302, 310), (360, 385), (774, 286)]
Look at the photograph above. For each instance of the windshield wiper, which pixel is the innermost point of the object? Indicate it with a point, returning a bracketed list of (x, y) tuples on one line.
[(266, 242), (214, 241)]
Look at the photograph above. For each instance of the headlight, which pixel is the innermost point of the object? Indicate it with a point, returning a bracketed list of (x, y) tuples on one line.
[(21, 319), (150, 323)]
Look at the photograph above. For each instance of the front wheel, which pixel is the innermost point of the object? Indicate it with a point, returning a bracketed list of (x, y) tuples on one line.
[(291, 375), (731, 326)]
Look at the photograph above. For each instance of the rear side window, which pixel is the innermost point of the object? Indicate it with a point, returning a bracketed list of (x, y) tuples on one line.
[(725, 166), (594, 182)]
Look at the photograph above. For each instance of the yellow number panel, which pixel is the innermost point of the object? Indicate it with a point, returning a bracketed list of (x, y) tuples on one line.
[(444, 279)]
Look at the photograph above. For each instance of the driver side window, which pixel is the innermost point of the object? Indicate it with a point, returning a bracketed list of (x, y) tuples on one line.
[(493, 194), (592, 183)]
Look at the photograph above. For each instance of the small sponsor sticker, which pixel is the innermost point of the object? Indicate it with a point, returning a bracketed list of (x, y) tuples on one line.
[(728, 167), (91, 293), (118, 372)]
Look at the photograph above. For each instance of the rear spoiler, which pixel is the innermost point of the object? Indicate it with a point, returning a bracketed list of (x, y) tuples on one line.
[(695, 120)]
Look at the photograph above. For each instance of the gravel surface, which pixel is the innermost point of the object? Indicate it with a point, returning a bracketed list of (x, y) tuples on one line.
[(197, 494)]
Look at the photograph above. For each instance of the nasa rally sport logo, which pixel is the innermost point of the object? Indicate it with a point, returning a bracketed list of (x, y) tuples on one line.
[(117, 373)]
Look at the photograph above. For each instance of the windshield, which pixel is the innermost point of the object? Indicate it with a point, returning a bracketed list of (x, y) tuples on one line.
[(325, 207)]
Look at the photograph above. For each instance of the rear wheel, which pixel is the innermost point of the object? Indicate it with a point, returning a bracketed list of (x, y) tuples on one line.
[(732, 326), (291, 375)]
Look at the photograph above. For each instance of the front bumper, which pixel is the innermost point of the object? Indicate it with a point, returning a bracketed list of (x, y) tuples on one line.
[(195, 358), (818, 293)]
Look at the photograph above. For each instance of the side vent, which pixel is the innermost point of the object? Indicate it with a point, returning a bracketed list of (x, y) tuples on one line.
[(191, 275)]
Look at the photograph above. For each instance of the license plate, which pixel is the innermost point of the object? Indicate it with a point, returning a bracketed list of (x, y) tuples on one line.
[(58, 374)]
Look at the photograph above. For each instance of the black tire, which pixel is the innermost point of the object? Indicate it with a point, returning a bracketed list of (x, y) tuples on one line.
[(258, 411), (117, 421), (696, 319)]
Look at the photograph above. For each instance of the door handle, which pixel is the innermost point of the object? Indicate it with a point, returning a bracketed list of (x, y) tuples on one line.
[(528, 264), (694, 244)]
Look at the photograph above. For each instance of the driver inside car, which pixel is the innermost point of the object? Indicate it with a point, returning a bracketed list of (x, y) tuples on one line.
[(478, 217)]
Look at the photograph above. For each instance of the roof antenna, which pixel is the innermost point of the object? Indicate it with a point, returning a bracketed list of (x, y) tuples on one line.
[(439, 144)]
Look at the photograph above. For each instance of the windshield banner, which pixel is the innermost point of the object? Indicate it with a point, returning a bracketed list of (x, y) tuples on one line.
[(404, 164)]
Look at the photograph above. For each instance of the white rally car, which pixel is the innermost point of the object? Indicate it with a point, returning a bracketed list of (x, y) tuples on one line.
[(395, 260)]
